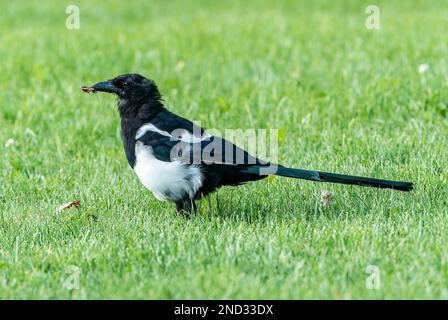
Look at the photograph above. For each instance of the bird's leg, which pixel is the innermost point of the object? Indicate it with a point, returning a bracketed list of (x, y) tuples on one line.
[(186, 207), (189, 206), (179, 206)]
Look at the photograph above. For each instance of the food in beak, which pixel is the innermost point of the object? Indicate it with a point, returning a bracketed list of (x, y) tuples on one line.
[(87, 89)]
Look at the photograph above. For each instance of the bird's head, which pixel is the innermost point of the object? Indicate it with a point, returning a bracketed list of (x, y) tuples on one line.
[(129, 87)]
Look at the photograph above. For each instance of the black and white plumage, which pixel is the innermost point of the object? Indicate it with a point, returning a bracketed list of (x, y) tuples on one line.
[(179, 162)]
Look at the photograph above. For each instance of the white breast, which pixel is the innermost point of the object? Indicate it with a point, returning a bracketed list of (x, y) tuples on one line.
[(167, 180)]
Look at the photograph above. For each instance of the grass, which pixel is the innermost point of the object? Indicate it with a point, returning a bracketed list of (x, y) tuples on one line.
[(345, 99)]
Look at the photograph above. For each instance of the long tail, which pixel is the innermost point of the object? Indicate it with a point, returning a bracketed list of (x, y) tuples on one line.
[(336, 178)]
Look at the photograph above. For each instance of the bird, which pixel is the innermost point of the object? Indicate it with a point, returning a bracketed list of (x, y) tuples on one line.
[(178, 161)]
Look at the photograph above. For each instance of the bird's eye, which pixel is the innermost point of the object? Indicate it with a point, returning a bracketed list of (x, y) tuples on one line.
[(120, 83)]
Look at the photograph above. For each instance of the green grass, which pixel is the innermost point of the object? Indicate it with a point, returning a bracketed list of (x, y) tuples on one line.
[(346, 99)]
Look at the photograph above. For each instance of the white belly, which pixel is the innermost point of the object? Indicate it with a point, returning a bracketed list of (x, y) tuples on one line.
[(167, 180)]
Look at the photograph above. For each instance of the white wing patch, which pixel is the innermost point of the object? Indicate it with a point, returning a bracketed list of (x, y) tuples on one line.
[(171, 181), (150, 127), (178, 134)]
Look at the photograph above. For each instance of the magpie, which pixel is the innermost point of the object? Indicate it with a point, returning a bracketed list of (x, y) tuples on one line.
[(180, 162)]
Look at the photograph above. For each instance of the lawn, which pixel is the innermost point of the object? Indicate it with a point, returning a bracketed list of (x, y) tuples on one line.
[(344, 98)]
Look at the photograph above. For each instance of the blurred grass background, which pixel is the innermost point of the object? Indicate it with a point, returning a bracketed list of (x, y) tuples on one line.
[(345, 99)]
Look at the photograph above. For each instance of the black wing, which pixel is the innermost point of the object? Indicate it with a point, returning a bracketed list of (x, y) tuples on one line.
[(209, 150), (221, 162), (170, 122)]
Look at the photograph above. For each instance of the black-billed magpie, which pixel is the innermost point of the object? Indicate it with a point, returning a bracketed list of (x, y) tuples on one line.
[(179, 162)]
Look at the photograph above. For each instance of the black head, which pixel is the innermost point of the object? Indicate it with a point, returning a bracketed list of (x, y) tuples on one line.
[(131, 87)]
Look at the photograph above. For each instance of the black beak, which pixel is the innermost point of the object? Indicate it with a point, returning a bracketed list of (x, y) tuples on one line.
[(105, 86)]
